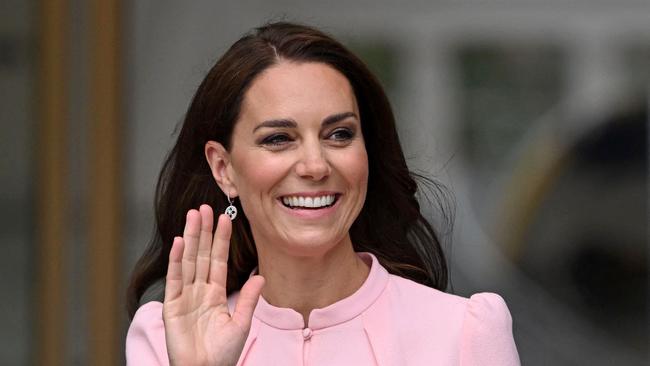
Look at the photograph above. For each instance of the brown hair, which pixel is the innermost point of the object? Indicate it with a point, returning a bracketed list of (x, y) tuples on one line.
[(390, 224)]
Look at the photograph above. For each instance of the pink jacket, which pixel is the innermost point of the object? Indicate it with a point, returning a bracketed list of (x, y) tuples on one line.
[(388, 321)]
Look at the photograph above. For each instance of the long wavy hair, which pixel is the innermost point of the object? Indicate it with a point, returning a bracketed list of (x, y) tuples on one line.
[(390, 224)]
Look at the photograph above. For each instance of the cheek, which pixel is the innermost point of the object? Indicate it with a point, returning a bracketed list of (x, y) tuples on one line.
[(355, 168), (257, 174)]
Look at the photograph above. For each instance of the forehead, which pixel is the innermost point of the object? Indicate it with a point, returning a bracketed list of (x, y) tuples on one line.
[(301, 91)]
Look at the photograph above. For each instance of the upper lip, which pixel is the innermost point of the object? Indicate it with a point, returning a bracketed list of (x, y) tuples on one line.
[(310, 194)]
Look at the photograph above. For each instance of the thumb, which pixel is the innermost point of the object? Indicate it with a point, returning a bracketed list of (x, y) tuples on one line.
[(247, 301)]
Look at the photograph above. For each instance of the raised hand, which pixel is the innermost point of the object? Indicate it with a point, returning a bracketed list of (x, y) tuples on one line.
[(199, 329)]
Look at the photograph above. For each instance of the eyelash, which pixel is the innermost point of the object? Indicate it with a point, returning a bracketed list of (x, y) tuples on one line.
[(349, 134), (280, 139), (273, 139)]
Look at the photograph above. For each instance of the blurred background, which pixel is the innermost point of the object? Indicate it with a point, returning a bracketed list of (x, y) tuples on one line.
[(533, 113)]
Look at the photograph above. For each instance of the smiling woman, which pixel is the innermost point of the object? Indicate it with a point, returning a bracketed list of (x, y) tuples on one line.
[(320, 152), (331, 261)]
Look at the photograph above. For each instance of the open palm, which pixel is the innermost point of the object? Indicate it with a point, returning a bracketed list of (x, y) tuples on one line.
[(199, 329)]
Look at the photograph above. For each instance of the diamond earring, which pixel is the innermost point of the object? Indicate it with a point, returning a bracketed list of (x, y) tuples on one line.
[(231, 210)]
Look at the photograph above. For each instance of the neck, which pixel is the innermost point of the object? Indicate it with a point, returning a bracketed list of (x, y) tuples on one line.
[(311, 282)]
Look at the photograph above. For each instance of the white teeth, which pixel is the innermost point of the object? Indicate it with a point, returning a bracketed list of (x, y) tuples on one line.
[(311, 202)]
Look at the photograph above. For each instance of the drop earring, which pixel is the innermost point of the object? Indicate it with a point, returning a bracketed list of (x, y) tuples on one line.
[(231, 210)]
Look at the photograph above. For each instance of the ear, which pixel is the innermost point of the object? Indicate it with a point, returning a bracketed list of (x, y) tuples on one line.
[(219, 160)]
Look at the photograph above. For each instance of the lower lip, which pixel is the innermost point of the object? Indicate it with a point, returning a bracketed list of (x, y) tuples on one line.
[(312, 213)]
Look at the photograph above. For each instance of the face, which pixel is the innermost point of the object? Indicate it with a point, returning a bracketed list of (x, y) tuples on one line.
[(297, 162)]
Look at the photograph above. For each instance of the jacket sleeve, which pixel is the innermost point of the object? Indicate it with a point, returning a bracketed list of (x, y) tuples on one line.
[(145, 340), (486, 337)]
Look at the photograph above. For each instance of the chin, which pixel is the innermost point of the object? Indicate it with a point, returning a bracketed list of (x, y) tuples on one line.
[(311, 244)]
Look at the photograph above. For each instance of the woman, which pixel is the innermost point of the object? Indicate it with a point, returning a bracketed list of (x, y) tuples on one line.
[(327, 259)]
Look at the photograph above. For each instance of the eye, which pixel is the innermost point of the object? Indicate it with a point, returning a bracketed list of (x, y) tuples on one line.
[(341, 134), (276, 139)]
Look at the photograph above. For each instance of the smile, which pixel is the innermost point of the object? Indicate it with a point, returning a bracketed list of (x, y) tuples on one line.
[(309, 202)]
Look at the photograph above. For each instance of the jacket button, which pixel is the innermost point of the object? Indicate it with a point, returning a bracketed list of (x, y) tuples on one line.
[(306, 333)]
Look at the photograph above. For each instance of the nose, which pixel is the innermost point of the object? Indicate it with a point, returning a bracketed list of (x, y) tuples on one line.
[(313, 163)]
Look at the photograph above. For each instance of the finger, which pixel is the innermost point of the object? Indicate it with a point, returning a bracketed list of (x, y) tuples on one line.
[(191, 239), (247, 301), (219, 255), (174, 281), (205, 244)]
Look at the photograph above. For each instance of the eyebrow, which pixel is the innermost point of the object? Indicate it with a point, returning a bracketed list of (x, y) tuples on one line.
[(337, 118), (289, 123)]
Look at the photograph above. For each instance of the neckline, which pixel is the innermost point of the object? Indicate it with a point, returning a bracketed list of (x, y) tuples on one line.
[(331, 315)]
